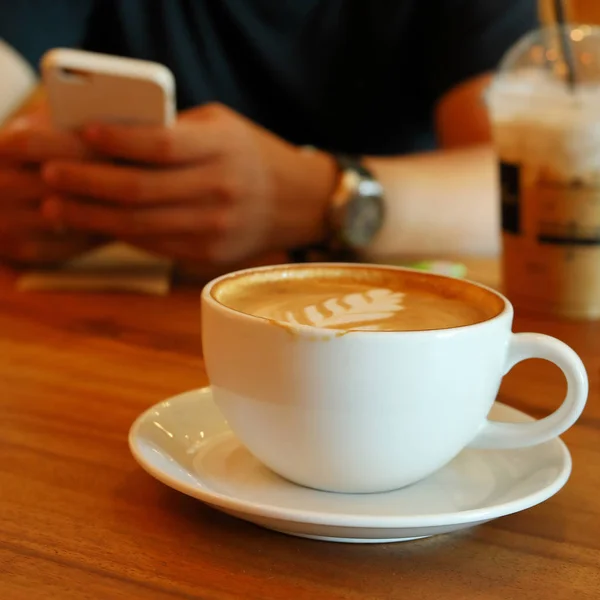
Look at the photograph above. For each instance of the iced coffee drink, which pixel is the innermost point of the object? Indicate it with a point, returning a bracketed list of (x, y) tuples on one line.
[(547, 137)]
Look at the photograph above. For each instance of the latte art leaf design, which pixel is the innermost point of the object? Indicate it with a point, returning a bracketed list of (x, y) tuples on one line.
[(366, 307)]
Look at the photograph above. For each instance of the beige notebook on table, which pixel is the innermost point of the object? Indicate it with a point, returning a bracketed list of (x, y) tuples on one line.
[(117, 267)]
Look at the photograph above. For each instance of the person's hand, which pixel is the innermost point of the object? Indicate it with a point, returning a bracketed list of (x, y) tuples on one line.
[(215, 189), (25, 236)]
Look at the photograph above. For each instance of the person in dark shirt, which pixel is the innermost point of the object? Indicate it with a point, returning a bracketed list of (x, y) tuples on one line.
[(396, 82)]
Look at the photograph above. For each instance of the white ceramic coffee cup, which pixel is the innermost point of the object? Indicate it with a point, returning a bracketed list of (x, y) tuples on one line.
[(371, 411)]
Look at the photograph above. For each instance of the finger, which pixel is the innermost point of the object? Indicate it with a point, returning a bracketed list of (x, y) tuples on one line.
[(135, 186), (207, 254), (45, 249), (18, 221), (38, 144), (193, 247), (74, 213), (19, 185), (194, 138)]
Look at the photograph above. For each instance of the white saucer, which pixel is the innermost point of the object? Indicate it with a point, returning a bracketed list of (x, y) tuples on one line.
[(186, 443)]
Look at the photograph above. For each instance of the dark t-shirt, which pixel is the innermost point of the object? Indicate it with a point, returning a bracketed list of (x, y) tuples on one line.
[(349, 75)]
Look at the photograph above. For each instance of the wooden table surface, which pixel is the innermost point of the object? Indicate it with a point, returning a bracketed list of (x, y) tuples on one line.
[(79, 519)]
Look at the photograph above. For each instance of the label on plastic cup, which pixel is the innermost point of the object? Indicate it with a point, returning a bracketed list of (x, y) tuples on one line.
[(551, 242)]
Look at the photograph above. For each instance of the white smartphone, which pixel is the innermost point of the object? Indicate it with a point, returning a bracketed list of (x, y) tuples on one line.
[(85, 87)]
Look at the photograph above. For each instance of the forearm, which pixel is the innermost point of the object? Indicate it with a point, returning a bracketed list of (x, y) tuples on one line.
[(438, 203)]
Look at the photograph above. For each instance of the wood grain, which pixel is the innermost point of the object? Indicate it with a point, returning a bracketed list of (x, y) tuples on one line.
[(79, 519)]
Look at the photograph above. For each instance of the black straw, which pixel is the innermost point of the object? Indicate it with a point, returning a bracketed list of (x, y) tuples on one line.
[(565, 42)]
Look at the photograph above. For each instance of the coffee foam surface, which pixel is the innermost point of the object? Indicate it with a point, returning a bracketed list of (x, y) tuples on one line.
[(355, 298), (538, 121)]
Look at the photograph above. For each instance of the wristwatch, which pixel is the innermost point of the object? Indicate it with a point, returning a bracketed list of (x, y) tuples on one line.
[(355, 216), (357, 207)]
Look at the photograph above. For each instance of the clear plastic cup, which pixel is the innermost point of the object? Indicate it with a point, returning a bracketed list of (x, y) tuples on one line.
[(547, 136)]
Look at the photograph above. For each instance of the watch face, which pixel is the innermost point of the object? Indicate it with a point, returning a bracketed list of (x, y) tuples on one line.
[(364, 218)]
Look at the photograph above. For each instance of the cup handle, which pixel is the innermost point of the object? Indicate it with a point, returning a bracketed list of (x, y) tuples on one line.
[(495, 435)]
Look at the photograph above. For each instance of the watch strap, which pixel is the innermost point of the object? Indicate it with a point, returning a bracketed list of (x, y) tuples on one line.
[(334, 248)]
